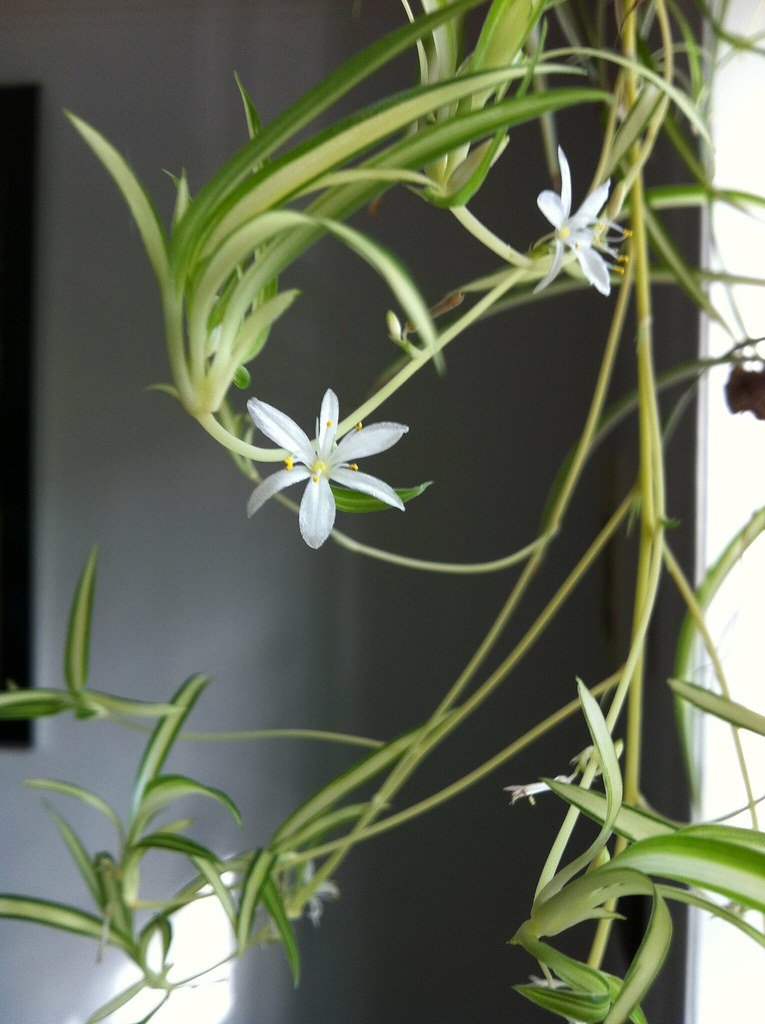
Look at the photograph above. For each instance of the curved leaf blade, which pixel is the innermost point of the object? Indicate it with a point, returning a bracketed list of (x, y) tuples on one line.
[(77, 652), (355, 501)]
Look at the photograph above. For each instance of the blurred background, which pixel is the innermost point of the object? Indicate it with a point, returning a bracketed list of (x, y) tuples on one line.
[(295, 637)]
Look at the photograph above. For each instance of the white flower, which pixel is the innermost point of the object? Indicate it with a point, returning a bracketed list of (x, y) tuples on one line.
[(320, 461), (532, 789), (326, 890), (584, 232)]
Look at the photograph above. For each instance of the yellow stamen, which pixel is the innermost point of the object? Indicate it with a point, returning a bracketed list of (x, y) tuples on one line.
[(628, 232), (289, 462), (353, 466), (358, 425), (315, 479), (623, 259), (564, 232), (619, 270), (329, 423)]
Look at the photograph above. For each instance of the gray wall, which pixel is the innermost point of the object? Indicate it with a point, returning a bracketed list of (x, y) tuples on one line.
[(293, 637)]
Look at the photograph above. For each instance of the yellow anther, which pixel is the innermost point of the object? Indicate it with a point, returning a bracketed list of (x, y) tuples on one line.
[(329, 423), (619, 270), (315, 479), (628, 232), (353, 466), (289, 462), (359, 425), (623, 259), (577, 245)]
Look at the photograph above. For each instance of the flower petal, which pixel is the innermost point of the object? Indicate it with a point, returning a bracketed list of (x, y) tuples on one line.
[(328, 417), (280, 429), (550, 205), (317, 512), (274, 483), (594, 268), (565, 183), (358, 444), (367, 484), (591, 207), (554, 270)]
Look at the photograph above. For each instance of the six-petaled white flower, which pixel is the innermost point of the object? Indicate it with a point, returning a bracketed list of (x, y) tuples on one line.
[(322, 461), (585, 233), (530, 790)]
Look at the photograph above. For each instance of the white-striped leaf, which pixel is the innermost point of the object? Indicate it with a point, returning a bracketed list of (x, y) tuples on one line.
[(78, 636), (252, 891)]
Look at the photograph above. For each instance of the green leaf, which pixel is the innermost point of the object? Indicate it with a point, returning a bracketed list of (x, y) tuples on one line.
[(684, 654), (175, 844), (79, 854), (359, 773), (252, 890), (59, 915), (670, 892), (159, 926), (162, 790), (33, 703), (275, 907), (316, 830), (164, 736), (721, 707), (720, 865), (631, 822), (586, 1007), (253, 333), (612, 778), (632, 126), (254, 124), (79, 793), (78, 636), (141, 207), (211, 874), (354, 501), (646, 965), (296, 117), (121, 999), (124, 707)]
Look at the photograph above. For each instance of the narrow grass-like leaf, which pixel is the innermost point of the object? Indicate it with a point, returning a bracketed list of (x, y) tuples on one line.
[(252, 890), (719, 706), (359, 773), (254, 124), (218, 886), (79, 793), (254, 332), (330, 149), (647, 963), (632, 126), (78, 636), (158, 926), (275, 906), (586, 1007), (693, 899), (297, 116), (164, 735), (612, 777), (124, 707), (59, 915), (33, 703), (721, 866), (80, 855), (631, 822), (162, 790), (714, 578), (175, 844), (118, 1001), (141, 207), (317, 829), (354, 501)]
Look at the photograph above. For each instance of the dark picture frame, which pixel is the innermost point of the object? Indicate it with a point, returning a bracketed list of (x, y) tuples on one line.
[(18, 136)]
